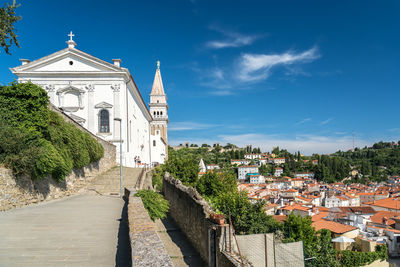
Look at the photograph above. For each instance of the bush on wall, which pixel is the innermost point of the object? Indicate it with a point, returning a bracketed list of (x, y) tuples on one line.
[(38, 142)]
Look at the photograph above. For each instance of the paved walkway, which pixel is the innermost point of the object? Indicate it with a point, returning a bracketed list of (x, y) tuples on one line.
[(177, 245), (82, 230)]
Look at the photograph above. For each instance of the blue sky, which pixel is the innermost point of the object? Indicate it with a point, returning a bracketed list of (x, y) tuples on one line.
[(299, 74)]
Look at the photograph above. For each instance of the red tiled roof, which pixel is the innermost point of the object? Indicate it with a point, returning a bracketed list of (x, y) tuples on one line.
[(279, 218), (389, 203), (378, 217), (334, 227), (319, 216)]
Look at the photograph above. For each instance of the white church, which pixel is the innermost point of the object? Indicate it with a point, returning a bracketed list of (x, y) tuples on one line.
[(99, 96)]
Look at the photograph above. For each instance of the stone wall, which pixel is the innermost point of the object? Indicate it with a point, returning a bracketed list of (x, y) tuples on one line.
[(17, 192), (191, 212), (146, 246)]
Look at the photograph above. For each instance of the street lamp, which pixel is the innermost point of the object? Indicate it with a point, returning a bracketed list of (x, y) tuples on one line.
[(120, 154)]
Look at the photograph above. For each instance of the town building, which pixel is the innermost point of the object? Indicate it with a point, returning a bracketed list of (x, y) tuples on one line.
[(244, 170), (278, 161), (278, 171), (239, 162), (304, 175), (253, 156), (211, 167)]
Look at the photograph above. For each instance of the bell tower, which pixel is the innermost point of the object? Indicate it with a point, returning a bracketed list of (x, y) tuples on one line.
[(159, 108)]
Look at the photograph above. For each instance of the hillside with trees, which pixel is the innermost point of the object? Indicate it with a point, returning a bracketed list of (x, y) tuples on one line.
[(219, 188)]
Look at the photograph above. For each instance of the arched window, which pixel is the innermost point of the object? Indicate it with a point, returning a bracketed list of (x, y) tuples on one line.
[(154, 142), (154, 113), (158, 113), (161, 113), (104, 126)]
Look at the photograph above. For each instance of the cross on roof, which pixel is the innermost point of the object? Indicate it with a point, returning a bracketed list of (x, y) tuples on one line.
[(71, 35)]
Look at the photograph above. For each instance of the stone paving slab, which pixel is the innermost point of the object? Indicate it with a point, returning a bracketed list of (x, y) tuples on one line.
[(177, 245), (75, 231)]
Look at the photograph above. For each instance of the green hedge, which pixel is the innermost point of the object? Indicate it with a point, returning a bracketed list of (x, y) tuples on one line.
[(38, 142), (355, 258), (156, 205)]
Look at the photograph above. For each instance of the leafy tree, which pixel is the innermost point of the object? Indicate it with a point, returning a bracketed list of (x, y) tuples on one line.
[(185, 169), (275, 150), (213, 184), (247, 218), (8, 37), (316, 244)]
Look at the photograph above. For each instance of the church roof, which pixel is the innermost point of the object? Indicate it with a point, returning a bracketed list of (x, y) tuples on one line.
[(92, 67), (158, 88)]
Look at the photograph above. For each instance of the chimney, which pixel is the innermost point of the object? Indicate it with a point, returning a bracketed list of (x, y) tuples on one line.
[(24, 61), (117, 62)]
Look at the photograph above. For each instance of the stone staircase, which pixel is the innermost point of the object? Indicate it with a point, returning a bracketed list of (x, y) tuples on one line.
[(108, 183)]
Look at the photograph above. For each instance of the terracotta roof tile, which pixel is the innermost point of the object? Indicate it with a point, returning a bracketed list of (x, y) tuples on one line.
[(378, 217), (389, 203), (279, 218), (334, 227), (319, 216)]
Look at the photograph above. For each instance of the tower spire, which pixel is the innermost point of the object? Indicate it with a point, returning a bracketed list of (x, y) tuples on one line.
[(158, 87)]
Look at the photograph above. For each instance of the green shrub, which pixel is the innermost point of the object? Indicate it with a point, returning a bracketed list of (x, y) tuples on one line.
[(25, 105), (96, 151), (156, 205), (77, 148), (49, 161), (38, 142), (157, 177), (355, 258)]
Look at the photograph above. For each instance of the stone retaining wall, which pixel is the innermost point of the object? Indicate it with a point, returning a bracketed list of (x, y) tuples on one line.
[(17, 192), (191, 212), (146, 246)]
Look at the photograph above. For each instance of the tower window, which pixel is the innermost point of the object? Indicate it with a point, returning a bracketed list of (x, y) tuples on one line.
[(158, 113), (158, 101), (154, 142), (104, 126), (161, 113), (154, 113)]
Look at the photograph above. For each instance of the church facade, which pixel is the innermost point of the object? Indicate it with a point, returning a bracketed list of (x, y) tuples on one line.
[(103, 97)]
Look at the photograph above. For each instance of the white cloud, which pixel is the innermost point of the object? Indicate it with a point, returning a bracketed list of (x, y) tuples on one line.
[(302, 121), (307, 144), (233, 39), (256, 67), (326, 121), (188, 125), (222, 92)]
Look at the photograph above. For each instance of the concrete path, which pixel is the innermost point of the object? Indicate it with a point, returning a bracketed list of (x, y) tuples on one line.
[(82, 230), (177, 245)]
